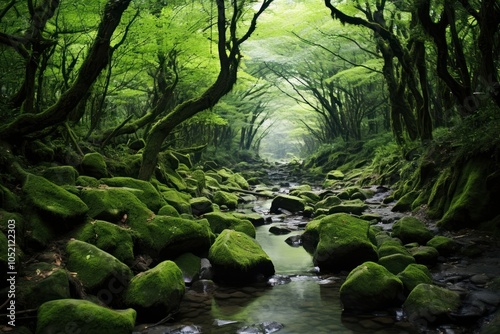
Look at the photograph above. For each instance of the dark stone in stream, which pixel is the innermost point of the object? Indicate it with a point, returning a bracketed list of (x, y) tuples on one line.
[(279, 280), (294, 241), (262, 328), (279, 230)]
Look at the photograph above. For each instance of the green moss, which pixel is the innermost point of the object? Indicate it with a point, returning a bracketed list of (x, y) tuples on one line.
[(61, 175), (113, 204), (405, 202), (179, 200), (199, 176), (168, 210), (93, 164), (110, 238), (87, 181), (335, 175), (355, 206), (390, 247), (340, 241), (94, 267), (52, 200), (149, 195), (444, 245), (8, 200), (156, 292), (439, 194), (369, 287), (287, 202), (230, 200), (190, 266), (224, 174), (201, 205), (255, 218), (424, 254), (238, 180), (328, 202), (396, 263), (431, 303), (410, 229), (38, 234), (413, 275), (167, 173), (220, 221), (71, 315)]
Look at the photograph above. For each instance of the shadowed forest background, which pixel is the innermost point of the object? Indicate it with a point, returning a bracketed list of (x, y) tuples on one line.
[(399, 93)]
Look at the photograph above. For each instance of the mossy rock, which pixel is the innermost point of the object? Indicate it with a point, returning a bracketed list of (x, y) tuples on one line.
[(255, 218), (309, 196), (220, 221), (93, 164), (61, 175), (237, 258), (288, 203), (166, 237), (95, 268), (177, 199), (339, 242), (190, 266), (41, 283), (38, 234), (370, 287), (53, 202), (353, 193), (413, 275), (168, 210), (410, 229), (238, 180), (444, 245), (116, 205), (296, 190), (149, 195), (127, 165), (328, 202), (425, 254), (156, 293), (392, 246), (8, 200), (354, 206), (224, 174), (199, 176), (110, 238), (201, 205), (396, 263), (225, 198), (37, 151), (72, 315), (167, 172), (404, 204), (87, 181), (335, 175), (431, 303), (438, 196)]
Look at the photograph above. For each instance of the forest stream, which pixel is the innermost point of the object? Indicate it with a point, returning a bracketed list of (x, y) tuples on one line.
[(301, 299)]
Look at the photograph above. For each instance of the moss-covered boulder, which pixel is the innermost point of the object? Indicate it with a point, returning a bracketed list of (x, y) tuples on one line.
[(288, 203), (238, 180), (95, 268), (201, 205), (167, 171), (190, 266), (237, 258), (220, 221), (255, 218), (8, 200), (166, 237), (370, 287), (116, 205), (157, 292), (224, 198), (61, 175), (42, 282), (110, 238), (424, 254), (354, 206), (339, 242), (72, 315), (411, 229), (413, 275), (396, 263), (177, 199), (431, 303), (54, 203), (93, 164), (335, 175), (328, 202), (444, 245), (87, 181), (38, 234), (148, 194), (168, 210), (390, 247)]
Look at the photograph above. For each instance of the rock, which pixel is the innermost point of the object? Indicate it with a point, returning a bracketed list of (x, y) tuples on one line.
[(237, 258), (266, 327), (445, 246), (431, 303), (8, 200), (167, 171), (339, 242), (168, 210), (413, 275), (335, 175), (294, 240), (355, 207), (396, 263), (287, 202), (72, 315), (425, 254), (239, 181), (54, 203), (93, 164), (189, 264), (97, 269), (148, 194), (230, 200), (87, 181), (204, 286), (328, 202), (61, 175), (255, 218), (279, 230), (220, 221), (392, 246), (167, 237), (206, 270), (200, 206), (157, 292), (41, 283), (370, 287), (110, 238), (410, 229)]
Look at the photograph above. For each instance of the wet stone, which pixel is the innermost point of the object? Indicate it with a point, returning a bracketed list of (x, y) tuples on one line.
[(262, 328), (480, 279), (294, 241)]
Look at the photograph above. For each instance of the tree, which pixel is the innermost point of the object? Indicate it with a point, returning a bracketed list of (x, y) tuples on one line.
[(229, 54)]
